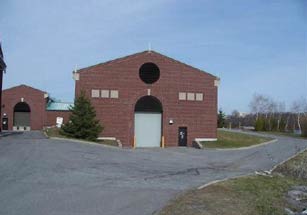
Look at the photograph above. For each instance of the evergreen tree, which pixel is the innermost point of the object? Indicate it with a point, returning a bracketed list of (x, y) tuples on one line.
[(82, 121), (221, 119)]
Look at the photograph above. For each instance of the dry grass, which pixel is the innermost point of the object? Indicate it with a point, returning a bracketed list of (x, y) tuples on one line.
[(227, 139), (252, 195), (54, 132), (295, 168)]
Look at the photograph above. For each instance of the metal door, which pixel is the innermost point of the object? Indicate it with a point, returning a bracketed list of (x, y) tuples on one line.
[(5, 123), (22, 119), (147, 129), (182, 136)]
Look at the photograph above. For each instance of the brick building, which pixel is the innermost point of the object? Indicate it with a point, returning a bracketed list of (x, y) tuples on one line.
[(148, 100), (27, 108)]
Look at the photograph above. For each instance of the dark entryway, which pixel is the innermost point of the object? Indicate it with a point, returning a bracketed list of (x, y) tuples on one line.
[(182, 136), (5, 123), (21, 116)]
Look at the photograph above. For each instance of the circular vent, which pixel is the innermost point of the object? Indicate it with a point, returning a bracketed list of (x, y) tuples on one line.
[(149, 73)]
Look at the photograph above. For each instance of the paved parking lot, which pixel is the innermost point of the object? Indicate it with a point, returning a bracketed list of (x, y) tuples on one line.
[(56, 177)]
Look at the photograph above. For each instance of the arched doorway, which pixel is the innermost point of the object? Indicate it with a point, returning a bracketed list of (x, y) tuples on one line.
[(148, 122), (22, 113)]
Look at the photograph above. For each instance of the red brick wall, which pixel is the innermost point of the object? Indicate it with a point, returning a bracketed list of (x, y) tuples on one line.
[(52, 115), (117, 115), (33, 97)]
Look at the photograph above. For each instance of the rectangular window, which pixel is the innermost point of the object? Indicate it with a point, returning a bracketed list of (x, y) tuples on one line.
[(182, 96), (191, 96), (199, 96), (104, 94), (114, 94), (95, 93)]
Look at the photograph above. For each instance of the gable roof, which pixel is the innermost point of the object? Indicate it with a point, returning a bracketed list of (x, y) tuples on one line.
[(128, 57), (23, 85)]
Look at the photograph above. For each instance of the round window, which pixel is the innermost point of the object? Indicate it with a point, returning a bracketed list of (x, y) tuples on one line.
[(149, 73)]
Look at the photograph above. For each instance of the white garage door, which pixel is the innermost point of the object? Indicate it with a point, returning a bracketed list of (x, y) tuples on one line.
[(147, 129)]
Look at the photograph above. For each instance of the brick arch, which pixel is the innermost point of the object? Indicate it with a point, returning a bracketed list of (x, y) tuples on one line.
[(148, 104)]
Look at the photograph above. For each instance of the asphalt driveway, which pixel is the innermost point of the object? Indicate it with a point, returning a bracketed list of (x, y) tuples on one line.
[(56, 177)]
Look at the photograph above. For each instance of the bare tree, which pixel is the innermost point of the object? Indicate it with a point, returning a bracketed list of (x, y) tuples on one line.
[(259, 104), (262, 104), (281, 108), (299, 107)]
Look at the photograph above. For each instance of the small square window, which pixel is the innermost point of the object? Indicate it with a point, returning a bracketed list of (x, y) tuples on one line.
[(95, 93), (199, 96), (114, 94), (104, 94), (191, 96), (182, 96)]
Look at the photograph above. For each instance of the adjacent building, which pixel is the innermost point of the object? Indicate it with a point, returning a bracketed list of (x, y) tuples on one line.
[(25, 108)]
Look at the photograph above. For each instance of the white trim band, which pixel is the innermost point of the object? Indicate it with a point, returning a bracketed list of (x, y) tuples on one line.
[(106, 138), (205, 139)]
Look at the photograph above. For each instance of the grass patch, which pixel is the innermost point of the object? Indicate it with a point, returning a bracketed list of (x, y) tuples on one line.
[(228, 139), (55, 132), (288, 134), (252, 195)]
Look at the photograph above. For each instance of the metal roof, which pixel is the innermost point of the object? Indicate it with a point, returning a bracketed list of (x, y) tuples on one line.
[(59, 106)]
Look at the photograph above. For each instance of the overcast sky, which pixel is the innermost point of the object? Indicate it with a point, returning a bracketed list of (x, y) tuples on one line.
[(255, 46)]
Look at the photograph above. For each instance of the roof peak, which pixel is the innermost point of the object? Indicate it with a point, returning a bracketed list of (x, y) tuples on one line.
[(24, 85), (149, 51)]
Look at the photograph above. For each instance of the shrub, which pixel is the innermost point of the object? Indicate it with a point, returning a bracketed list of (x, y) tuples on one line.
[(260, 124), (266, 124)]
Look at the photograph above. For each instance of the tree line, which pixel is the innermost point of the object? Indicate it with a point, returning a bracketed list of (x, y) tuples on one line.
[(266, 114)]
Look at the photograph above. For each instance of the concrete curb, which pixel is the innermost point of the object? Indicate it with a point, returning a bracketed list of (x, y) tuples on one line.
[(224, 179), (293, 156), (84, 141), (45, 134), (242, 148), (8, 133), (250, 174), (197, 145)]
